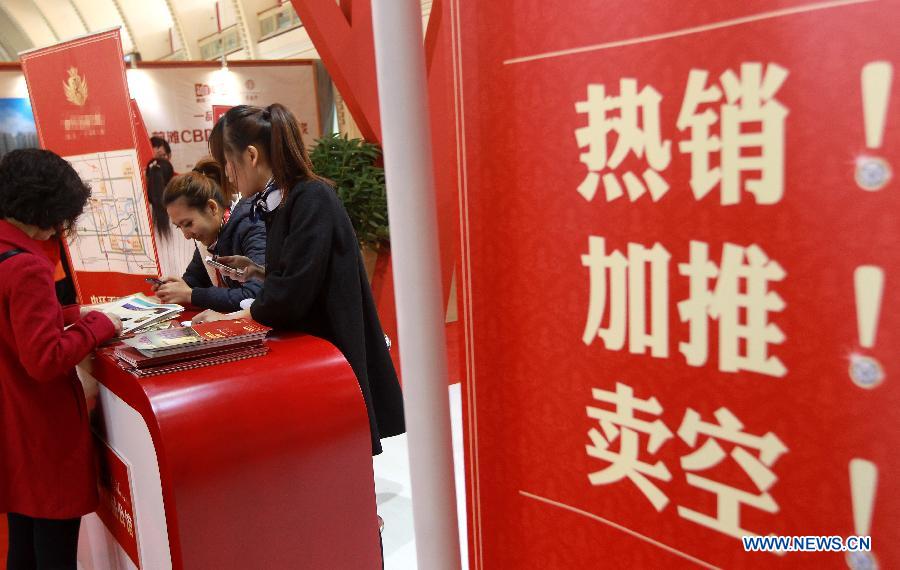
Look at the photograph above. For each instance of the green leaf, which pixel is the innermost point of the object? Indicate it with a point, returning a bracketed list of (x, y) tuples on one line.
[(359, 183)]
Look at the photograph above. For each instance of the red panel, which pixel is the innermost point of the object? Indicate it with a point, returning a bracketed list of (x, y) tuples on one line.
[(4, 539), (81, 105), (96, 115), (142, 137), (343, 38), (116, 508), (346, 46), (442, 108), (528, 273), (383, 293), (219, 111)]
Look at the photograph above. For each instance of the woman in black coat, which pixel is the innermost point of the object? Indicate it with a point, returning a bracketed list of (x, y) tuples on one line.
[(314, 279)]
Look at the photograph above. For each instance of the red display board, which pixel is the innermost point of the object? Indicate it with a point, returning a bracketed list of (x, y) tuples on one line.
[(82, 110), (218, 111), (200, 469), (681, 233), (116, 508), (142, 138)]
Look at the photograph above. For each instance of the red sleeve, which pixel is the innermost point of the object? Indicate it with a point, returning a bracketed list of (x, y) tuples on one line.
[(45, 350), (71, 314)]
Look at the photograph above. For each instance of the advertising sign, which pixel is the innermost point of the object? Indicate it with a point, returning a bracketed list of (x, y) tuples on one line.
[(82, 110), (116, 508), (680, 228), (177, 102)]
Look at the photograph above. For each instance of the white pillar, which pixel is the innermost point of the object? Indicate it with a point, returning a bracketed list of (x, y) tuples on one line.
[(406, 137)]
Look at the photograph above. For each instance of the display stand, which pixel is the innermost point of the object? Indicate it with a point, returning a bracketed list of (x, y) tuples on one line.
[(258, 463)]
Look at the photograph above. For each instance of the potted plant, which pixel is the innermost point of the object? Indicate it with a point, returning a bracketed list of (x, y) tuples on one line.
[(352, 164)]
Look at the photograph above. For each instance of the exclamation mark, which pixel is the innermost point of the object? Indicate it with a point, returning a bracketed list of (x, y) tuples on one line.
[(872, 172), (863, 484), (868, 283), (868, 280)]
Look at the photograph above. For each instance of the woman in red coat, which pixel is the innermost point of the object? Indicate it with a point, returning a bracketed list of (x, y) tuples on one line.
[(47, 477)]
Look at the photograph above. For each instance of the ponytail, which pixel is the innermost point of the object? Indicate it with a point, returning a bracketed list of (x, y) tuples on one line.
[(274, 131), (288, 157), (158, 173), (207, 166), (198, 186)]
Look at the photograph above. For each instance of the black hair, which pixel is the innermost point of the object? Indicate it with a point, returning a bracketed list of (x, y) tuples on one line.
[(159, 172), (275, 132), (197, 187), (39, 188), (161, 142)]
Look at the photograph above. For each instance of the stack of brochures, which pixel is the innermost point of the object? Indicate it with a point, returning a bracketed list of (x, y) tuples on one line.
[(184, 348), (139, 313)]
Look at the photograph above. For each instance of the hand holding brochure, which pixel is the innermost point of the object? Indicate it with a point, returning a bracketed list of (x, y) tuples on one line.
[(138, 312)]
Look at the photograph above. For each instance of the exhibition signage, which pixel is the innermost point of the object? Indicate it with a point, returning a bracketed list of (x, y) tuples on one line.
[(116, 508), (680, 237), (178, 100), (82, 110)]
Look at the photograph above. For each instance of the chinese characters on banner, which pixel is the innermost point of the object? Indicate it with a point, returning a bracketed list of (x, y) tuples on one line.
[(116, 508), (681, 231), (181, 102)]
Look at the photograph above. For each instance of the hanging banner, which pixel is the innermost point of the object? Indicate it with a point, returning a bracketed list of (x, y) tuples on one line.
[(142, 139), (82, 111), (176, 100), (683, 337)]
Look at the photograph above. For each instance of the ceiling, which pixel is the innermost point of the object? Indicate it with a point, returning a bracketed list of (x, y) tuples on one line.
[(156, 29)]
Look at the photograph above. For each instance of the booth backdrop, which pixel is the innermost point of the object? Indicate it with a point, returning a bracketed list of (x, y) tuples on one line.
[(176, 99)]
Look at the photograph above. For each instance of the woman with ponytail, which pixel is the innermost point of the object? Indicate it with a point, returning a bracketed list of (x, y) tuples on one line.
[(313, 278), (196, 205), (174, 254)]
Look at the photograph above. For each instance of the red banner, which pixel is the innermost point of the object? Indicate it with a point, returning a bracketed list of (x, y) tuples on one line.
[(681, 232), (83, 112), (142, 138), (116, 508)]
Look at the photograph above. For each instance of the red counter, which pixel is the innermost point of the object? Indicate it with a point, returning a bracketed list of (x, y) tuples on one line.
[(260, 463)]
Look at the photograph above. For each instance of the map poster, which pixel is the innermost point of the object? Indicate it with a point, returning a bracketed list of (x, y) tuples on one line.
[(82, 111)]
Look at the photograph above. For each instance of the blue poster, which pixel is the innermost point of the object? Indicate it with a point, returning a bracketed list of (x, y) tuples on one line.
[(17, 128)]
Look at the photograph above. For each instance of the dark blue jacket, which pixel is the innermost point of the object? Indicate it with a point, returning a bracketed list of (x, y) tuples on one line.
[(240, 236)]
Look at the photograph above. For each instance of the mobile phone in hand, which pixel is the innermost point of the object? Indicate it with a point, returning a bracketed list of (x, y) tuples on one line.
[(213, 263), (154, 281)]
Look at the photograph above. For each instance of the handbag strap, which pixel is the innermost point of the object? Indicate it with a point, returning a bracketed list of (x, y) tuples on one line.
[(7, 254)]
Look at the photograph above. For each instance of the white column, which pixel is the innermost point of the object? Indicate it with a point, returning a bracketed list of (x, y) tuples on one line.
[(406, 137)]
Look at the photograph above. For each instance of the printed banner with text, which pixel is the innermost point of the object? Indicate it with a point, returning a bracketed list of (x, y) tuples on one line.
[(177, 102), (82, 110), (682, 310)]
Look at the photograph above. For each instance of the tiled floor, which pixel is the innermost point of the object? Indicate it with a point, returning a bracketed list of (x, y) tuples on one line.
[(395, 497)]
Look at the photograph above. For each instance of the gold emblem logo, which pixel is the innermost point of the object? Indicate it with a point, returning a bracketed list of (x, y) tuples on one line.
[(76, 88)]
